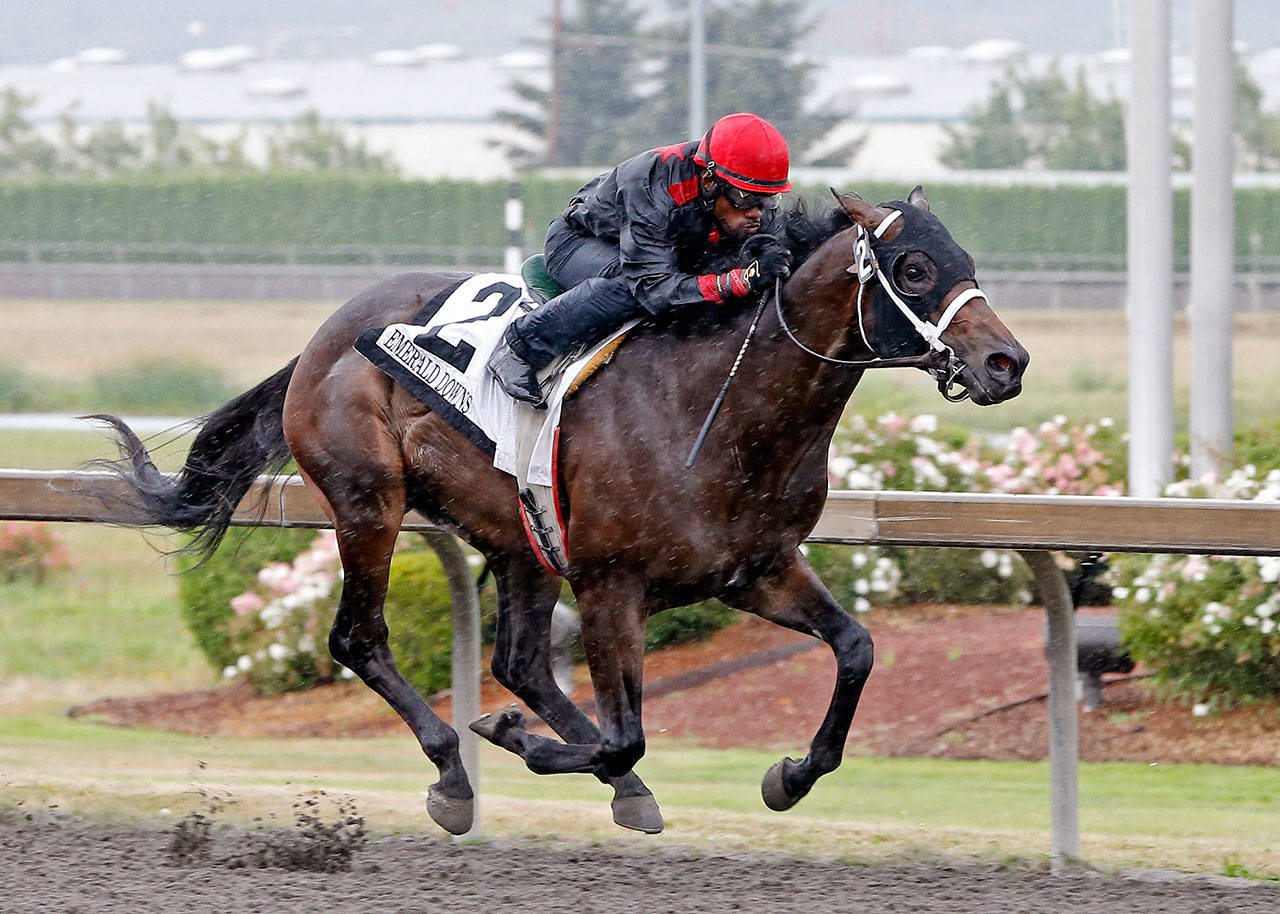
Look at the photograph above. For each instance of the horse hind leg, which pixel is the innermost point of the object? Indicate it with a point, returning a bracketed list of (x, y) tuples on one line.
[(522, 663), (367, 524)]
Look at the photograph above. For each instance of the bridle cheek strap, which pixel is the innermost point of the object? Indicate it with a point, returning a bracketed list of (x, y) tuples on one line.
[(866, 265)]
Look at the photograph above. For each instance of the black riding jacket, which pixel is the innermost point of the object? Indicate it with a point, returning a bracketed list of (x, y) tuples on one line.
[(651, 207)]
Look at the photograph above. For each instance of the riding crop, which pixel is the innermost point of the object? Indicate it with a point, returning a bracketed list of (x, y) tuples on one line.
[(715, 407)]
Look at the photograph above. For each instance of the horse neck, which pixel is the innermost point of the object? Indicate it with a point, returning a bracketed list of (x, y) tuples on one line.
[(804, 394)]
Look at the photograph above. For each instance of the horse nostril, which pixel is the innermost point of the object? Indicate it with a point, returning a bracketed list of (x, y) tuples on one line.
[(1000, 363)]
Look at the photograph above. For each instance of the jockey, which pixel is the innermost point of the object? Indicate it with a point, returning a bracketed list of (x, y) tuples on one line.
[(634, 240)]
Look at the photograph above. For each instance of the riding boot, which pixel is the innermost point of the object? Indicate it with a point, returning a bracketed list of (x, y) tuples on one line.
[(510, 364), (573, 319)]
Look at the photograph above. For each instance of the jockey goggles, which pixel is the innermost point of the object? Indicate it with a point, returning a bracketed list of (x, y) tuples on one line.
[(745, 200)]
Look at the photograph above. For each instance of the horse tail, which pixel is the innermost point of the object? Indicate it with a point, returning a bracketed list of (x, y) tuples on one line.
[(235, 443)]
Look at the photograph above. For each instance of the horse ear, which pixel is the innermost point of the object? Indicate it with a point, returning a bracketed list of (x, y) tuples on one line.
[(917, 198), (860, 211)]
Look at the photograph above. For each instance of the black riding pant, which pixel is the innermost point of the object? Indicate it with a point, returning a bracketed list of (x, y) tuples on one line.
[(596, 302)]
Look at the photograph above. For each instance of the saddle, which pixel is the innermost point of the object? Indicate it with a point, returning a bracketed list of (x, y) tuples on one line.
[(541, 287)]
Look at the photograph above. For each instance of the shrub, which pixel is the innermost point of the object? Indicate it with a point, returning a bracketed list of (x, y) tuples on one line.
[(17, 389), (962, 576), (264, 614), (1208, 625), (29, 552), (419, 614), (682, 624), (161, 386), (857, 576), (896, 452), (278, 628), (206, 591)]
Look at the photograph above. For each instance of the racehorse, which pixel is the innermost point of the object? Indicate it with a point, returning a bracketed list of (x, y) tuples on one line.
[(644, 532)]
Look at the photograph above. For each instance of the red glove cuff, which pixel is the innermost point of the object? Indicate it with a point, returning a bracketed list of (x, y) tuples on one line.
[(716, 287), (709, 286)]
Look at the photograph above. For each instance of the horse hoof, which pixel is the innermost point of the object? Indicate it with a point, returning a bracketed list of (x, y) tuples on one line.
[(492, 726), (639, 812), (774, 791), (453, 815)]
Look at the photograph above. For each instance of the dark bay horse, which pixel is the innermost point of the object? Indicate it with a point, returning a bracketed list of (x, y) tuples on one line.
[(644, 532)]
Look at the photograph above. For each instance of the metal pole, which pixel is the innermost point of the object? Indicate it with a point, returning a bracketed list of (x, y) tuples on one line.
[(1212, 239), (466, 657), (697, 69), (1064, 738), (1150, 250), (513, 219)]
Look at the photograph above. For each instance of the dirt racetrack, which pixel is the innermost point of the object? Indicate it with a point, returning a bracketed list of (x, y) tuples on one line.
[(60, 867)]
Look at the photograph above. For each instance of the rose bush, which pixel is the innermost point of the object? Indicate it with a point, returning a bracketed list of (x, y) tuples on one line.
[(1208, 625), (29, 552), (911, 454)]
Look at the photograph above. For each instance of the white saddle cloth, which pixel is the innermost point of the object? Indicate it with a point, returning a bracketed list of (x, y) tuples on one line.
[(442, 357)]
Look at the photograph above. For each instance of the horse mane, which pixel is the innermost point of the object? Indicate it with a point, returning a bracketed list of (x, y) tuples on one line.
[(800, 229), (803, 232)]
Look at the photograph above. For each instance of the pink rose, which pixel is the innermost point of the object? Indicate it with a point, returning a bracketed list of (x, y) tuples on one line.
[(248, 602)]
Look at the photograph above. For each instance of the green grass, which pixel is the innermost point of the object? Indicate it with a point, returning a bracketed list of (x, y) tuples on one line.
[(68, 450), (1190, 817), (112, 617)]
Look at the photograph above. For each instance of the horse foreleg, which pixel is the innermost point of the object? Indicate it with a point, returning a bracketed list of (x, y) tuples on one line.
[(367, 526), (794, 597), (522, 663)]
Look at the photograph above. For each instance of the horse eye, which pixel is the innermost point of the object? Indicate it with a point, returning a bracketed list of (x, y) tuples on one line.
[(914, 273)]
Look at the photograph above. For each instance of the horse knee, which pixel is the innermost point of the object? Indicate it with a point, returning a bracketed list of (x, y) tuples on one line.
[(519, 672), (855, 654)]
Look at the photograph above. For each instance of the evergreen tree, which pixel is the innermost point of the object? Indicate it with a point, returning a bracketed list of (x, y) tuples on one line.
[(597, 67), (752, 65)]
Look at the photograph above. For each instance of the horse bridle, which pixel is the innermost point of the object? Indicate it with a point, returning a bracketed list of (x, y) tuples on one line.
[(940, 361)]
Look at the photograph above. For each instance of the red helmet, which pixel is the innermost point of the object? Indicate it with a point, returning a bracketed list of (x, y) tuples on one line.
[(748, 152)]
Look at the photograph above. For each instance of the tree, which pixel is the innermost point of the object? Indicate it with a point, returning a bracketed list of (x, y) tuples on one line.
[(620, 89), (109, 148), (1041, 121), (1257, 131), (22, 150), (752, 65), (309, 144), (596, 67)]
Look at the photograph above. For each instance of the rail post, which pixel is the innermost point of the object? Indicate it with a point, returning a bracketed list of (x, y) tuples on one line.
[(1064, 746)]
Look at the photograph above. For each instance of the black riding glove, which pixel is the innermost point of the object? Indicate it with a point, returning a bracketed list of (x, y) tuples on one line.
[(771, 260)]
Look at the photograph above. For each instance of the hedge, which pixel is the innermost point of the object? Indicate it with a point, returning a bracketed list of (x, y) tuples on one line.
[(1082, 225)]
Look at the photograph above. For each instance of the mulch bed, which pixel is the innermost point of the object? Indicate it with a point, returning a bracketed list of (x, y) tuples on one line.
[(949, 682)]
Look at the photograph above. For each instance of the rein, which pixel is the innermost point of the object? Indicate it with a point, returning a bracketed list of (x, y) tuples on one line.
[(940, 361)]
